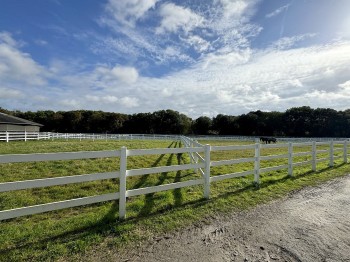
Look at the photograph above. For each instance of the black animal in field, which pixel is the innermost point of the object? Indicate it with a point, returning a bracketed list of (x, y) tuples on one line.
[(268, 140)]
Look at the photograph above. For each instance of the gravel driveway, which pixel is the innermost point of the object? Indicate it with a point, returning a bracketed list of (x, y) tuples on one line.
[(309, 225)]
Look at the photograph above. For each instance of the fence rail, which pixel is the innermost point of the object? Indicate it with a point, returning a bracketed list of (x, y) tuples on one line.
[(256, 138), (26, 136), (200, 161)]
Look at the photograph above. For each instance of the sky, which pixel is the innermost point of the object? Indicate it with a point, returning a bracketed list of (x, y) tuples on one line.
[(198, 57)]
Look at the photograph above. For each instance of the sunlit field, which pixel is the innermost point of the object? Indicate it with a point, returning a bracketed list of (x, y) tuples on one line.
[(71, 232)]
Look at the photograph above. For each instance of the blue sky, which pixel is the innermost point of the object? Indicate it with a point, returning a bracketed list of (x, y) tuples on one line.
[(197, 57)]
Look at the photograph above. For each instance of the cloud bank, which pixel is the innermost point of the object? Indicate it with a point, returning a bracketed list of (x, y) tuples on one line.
[(205, 56)]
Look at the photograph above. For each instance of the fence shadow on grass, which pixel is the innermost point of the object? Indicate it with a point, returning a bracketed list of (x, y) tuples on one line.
[(144, 178), (178, 197), (107, 225), (150, 198)]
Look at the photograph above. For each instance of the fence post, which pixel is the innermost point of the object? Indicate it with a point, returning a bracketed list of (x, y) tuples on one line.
[(314, 156), (257, 164), (345, 151), (195, 161), (189, 145), (331, 154), (7, 136), (290, 159), (122, 183), (25, 136), (207, 172)]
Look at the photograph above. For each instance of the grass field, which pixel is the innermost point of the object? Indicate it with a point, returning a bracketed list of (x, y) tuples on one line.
[(70, 232)]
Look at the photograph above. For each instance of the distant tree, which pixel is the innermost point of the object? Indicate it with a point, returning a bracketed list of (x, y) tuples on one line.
[(171, 122), (141, 123), (298, 121), (202, 125), (224, 124), (3, 110), (274, 124), (248, 124), (115, 122), (57, 120)]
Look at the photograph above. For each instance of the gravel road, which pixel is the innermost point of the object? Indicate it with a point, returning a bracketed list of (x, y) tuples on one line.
[(312, 224)]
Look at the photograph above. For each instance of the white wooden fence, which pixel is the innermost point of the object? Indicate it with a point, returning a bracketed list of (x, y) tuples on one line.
[(255, 138), (200, 161), (14, 136), (25, 136)]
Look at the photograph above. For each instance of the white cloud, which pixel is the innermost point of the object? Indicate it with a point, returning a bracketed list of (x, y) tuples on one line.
[(224, 74), (109, 99), (41, 42), (70, 104), (288, 42), (224, 28), (270, 80), (277, 11), (129, 102), (6, 38), (295, 83), (129, 11), (176, 18), (16, 65), (345, 85), (229, 82), (8, 93), (224, 96), (123, 74), (234, 9), (198, 43)]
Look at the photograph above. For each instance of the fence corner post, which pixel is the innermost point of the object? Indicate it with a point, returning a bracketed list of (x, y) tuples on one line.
[(122, 183), (290, 159), (314, 156), (207, 172), (345, 151), (257, 164)]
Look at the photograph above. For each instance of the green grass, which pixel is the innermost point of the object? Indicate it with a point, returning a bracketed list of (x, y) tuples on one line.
[(71, 232)]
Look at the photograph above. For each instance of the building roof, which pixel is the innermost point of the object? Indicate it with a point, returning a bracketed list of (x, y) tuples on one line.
[(12, 120)]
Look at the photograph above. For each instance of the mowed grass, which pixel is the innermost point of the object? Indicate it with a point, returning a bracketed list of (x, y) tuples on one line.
[(70, 233)]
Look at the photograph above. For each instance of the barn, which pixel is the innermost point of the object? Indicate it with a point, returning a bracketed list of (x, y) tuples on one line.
[(15, 124)]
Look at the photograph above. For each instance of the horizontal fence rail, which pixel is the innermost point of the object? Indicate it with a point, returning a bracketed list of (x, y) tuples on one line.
[(9, 136), (200, 161)]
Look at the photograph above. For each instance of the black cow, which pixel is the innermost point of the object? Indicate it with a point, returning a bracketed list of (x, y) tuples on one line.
[(268, 140)]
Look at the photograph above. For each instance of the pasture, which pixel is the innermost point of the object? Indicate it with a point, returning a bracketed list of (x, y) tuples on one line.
[(71, 232)]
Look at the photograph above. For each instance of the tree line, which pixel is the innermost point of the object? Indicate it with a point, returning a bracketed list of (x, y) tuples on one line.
[(297, 122)]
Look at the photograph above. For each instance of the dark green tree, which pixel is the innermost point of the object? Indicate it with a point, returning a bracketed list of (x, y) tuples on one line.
[(202, 125)]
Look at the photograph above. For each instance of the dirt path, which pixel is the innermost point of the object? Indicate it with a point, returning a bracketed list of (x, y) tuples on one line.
[(310, 225)]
